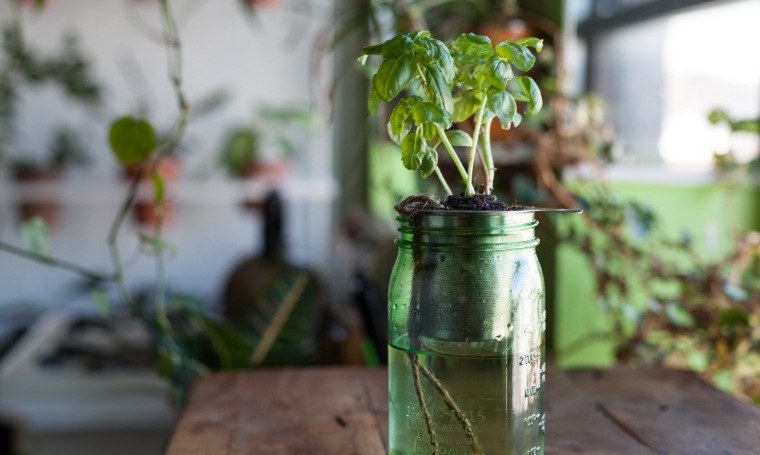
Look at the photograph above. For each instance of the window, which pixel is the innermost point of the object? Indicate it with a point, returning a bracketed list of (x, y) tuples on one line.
[(662, 73)]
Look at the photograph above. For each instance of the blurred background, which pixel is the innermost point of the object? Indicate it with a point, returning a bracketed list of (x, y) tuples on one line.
[(261, 233)]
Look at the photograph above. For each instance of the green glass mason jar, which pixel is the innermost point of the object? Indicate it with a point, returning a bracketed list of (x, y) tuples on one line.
[(466, 332)]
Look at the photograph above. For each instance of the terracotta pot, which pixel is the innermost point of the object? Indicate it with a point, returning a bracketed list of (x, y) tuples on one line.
[(147, 213), (275, 171), (49, 211)]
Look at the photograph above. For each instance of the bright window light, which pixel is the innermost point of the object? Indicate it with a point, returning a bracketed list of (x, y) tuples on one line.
[(710, 61)]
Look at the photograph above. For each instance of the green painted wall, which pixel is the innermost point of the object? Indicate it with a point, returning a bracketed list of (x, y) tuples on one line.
[(704, 211)]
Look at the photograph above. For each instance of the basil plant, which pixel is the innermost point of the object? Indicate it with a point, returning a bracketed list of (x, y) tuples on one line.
[(468, 78)]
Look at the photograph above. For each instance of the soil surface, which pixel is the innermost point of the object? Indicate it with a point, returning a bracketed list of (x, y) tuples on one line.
[(478, 202)]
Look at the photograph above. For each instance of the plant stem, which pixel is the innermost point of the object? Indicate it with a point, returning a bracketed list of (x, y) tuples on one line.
[(487, 155), (475, 137), (443, 181), (457, 162), (53, 262), (113, 234)]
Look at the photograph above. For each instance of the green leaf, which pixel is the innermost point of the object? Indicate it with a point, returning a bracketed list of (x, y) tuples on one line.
[(429, 162), (498, 72), (520, 97), (374, 101), (467, 103), (437, 53), (536, 43), (400, 121), (531, 91), (157, 243), (391, 48), (102, 304), (427, 112), (34, 235), (517, 120), (472, 45), (240, 150), (459, 138), (393, 76), (410, 145), (158, 187), (429, 131), (413, 150), (502, 104), (437, 89), (377, 49), (519, 55), (132, 140), (165, 365), (678, 315), (396, 46)]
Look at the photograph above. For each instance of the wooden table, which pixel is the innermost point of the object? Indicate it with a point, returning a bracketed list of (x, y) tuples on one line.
[(343, 411)]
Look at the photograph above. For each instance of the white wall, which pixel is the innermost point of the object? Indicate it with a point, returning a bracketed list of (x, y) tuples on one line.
[(262, 59)]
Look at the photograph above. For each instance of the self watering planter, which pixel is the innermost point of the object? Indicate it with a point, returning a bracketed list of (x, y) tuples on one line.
[(466, 322)]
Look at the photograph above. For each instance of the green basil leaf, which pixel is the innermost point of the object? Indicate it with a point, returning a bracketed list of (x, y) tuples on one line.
[(374, 101), (531, 91), (519, 55), (428, 112), (498, 72), (396, 46), (34, 235), (437, 53), (400, 121), (132, 140), (503, 105), (394, 74), (410, 145), (419, 35), (377, 49), (536, 43), (473, 45), (517, 120), (429, 131), (520, 97), (467, 104), (437, 89), (459, 138), (428, 162), (467, 60)]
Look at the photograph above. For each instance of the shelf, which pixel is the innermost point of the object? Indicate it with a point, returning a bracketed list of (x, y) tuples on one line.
[(306, 189)]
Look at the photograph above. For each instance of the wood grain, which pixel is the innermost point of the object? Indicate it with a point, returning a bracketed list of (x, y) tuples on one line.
[(343, 411)]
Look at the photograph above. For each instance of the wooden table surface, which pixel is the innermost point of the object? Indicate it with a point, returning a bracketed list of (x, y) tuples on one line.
[(343, 411)]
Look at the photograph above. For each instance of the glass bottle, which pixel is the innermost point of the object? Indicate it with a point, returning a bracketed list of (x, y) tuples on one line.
[(466, 335)]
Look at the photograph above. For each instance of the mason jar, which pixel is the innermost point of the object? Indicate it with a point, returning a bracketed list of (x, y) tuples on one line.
[(466, 335)]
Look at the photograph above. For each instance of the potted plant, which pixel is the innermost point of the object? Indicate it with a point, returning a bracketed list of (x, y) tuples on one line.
[(466, 298), (265, 147), (65, 151)]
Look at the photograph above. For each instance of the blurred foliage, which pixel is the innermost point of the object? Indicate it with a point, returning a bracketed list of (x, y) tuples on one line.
[(666, 304), (68, 69), (65, 150), (132, 140), (725, 161), (273, 127)]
